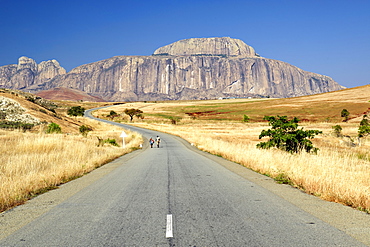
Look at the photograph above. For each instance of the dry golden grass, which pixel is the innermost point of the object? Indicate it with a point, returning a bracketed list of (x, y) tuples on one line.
[(32, 163), (340, 171)]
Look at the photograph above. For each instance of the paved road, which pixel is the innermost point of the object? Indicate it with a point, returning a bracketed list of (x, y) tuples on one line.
[(132, 205)]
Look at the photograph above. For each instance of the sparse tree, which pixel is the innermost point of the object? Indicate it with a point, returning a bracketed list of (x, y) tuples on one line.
[(345, 114), (76, 111), (84, 130), (133, 112), (364, 128), (112, 114), (337, 130), (285, 135)]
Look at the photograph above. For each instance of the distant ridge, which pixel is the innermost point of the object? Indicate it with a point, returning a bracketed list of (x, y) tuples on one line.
[(62, 93), (196, 68)]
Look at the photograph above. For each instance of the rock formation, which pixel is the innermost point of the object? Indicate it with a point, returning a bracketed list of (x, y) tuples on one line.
[(203, 68), (28, 73)]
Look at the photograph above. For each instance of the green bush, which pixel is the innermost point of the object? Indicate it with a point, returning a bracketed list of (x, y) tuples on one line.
[(76, 111), (345, 113), (15, 125), (245, 118), (53, 128), (285, 135), (84, 130), (337, 130)]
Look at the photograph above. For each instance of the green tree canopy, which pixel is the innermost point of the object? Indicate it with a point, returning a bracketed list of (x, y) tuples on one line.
[(285, 135), (364, 128), (76, 111), (345, 113), (133, 112)]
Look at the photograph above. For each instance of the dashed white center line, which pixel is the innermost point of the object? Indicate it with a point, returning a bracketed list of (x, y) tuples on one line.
[(169, 233)]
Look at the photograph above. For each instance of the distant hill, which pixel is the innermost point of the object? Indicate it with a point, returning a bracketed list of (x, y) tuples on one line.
[(197, 68), (62, 93)]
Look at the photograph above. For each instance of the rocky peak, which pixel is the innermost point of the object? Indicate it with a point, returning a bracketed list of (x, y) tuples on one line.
[(27, 63), (28, 73), (224, 46)]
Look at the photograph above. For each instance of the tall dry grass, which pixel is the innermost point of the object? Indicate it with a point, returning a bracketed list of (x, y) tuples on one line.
[(32, 163), (339, 172)]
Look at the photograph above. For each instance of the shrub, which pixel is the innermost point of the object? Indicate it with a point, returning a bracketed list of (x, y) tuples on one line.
[(285, 135), (174, 119), (16, 125), (345, 114), (84, 130), (245, 118), (76, 111), (337, 130), (102, 141), (53, 128), (364, 128)]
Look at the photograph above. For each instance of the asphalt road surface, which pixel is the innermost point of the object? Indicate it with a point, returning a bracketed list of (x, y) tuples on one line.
[(171, 196)]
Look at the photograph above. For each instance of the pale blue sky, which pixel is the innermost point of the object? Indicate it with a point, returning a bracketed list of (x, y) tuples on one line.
[(330, 37)]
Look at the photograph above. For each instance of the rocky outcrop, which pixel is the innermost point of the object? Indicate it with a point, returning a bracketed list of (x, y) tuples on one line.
[(225, 47), (204, 68), (11, 110), (27, 73)]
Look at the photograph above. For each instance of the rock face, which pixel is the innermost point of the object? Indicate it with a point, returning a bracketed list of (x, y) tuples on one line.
[(28, 73), (225, 47), (204, 68)]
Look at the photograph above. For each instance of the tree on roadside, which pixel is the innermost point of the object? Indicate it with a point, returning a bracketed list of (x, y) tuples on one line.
[(133, 112), (345, 114), (285, 135), (112, 115), (76, 111)]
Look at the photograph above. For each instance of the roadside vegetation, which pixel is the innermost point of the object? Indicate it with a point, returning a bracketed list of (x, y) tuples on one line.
[(32, 163), (338, 172), (53, 151)]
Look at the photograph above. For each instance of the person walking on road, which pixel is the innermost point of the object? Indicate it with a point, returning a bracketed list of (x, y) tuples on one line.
[(158, 141), (151, 142)]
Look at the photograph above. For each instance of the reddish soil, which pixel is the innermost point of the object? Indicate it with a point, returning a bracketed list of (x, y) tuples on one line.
[(62, 93)]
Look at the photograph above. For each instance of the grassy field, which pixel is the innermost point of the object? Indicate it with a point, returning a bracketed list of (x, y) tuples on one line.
[(34, 162), (339, 172)]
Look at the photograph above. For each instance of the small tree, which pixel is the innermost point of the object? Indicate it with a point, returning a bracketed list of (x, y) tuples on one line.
[(76, 111), (364, 128), (245, 118), (133, 112), (84, 130), (345, 114), (337, 130), (112, 114), (285, 135), (53, 128)]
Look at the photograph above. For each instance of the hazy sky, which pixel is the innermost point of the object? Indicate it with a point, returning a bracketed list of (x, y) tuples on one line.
[(330, 37)]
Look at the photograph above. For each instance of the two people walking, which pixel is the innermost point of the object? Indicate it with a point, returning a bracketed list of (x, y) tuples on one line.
[(151, 141)]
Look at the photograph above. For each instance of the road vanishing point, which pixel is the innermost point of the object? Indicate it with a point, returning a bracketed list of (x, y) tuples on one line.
[(176, 195)]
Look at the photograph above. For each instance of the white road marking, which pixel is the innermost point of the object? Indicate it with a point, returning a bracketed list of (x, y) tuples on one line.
[(169, 233)]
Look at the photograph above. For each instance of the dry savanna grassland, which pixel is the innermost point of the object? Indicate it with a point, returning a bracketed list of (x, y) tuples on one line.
[(340, 172), (33, 162)]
